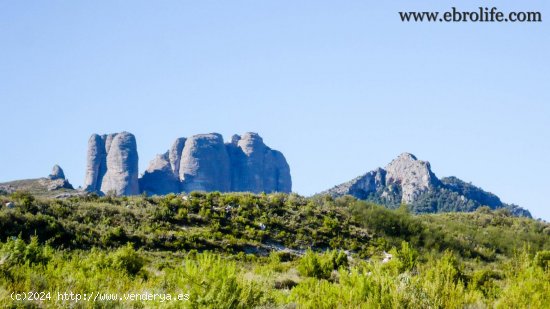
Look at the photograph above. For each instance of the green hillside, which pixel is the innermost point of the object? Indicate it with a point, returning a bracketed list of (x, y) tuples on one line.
[(273, 251)]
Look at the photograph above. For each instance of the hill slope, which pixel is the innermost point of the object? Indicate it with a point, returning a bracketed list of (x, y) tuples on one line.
[(244, 250), (43, 187)]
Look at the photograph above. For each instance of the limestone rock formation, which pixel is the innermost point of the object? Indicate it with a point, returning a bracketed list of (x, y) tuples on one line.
[(248, 154), (410, 181), (203, 162), (159, 178), (57, 173), (56, 180), (121, 177), (175, 154), (96, 163), (256, 167), (56, 184), (414, 176), (279, 173), (404, 180), (112, 164), (363, 186)]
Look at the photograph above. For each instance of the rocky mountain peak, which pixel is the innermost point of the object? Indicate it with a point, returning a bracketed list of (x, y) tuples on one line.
[(57, 173), (414, 176), (411, 181)]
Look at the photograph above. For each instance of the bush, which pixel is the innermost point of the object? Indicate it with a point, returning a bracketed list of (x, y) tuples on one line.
[(527, 283), (321, 265), (214, 282), (310, 266), (542, 259), (403, 259), (25, 200), (17, 251), (127, 259), (386, 222)]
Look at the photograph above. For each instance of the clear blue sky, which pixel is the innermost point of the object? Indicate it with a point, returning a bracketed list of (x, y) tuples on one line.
[(340, 87)]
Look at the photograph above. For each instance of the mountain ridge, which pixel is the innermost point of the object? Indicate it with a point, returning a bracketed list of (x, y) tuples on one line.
[(407, 180)]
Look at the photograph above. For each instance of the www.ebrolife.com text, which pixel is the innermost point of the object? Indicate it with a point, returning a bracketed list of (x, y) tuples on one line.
[(481, 15)]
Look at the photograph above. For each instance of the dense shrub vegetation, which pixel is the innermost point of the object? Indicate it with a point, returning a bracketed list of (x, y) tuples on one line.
[(245, 250)]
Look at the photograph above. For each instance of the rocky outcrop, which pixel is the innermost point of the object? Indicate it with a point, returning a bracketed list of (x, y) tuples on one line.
[(56, 180), (279, 174), (256, 167), (175, 155), (121, 177), (57, 173), (56, 184), (412, 175), (43, 185), (112, 164), (362, 186), (199, 163), (159, 177), (96, 160), (407, 180), (204, 162), (405, 176)]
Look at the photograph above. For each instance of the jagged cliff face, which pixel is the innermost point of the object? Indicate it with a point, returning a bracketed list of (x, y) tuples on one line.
[(372, 181), (204, 162), (412, 175), (112, 164), (410, 181)]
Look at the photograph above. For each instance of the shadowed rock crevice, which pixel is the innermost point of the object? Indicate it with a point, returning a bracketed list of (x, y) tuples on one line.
[(159, 177), (175, 154)]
